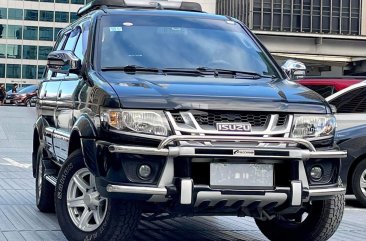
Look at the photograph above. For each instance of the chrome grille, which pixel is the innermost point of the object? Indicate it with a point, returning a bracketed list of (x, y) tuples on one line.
[(211, 118)]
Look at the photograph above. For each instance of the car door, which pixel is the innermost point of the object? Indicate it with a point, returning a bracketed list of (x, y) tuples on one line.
[(66, 99), (351, 106)]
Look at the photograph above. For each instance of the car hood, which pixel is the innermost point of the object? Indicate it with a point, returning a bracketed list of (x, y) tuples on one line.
[(189, 92)]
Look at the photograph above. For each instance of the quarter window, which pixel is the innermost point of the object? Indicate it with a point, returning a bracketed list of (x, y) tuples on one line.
[(71, 41)]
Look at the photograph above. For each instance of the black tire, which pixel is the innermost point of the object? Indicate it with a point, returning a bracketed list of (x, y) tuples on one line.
[(358, 175), (120, 219), (44, 190), (321, 223)]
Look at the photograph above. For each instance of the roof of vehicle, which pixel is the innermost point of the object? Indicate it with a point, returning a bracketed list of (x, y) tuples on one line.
[(341, 92), (140, 4)]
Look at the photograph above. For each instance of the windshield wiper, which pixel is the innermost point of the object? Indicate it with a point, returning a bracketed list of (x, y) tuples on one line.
[(132, 69), (234, 73)]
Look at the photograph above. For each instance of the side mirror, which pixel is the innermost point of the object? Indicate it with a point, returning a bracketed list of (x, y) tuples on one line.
[(294, 69), (63, 61)]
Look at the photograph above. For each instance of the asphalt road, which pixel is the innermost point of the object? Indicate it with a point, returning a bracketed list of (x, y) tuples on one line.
[(20, 220)]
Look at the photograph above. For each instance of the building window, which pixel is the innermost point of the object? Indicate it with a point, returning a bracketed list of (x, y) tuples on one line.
[(57, 30), (2, 50), (48, 1), (29, 52), (3, 13), (46, 33), (2, 31), (43, 52), (29, 71), (73, 17), (16, 14), (62, 17), (2, 70), (14, 32), (31, 15), (13, 71), (46, 16), (62, 1), (41, 69), (30, 33), (14, 51), (323, 16), (77, 1)]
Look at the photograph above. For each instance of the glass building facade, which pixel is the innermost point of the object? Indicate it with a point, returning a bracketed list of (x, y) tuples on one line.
[(28, 29), (309, 16)]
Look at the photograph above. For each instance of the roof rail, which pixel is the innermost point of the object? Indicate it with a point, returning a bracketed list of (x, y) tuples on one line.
[(142, 4)]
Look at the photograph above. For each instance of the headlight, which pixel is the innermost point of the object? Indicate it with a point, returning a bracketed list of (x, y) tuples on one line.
[(313, 126), (140, 121)]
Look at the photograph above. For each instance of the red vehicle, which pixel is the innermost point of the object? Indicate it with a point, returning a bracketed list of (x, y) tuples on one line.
[(23, 96), (328, 86)]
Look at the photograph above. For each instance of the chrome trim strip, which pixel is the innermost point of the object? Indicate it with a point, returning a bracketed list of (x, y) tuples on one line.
[(175, 151), (327, 191), (173, 138), (137, 190)]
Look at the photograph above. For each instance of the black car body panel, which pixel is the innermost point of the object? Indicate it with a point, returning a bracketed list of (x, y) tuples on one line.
[(181, 92), (354, 141)]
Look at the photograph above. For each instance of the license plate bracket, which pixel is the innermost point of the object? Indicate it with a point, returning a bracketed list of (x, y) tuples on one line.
[(242, 176)]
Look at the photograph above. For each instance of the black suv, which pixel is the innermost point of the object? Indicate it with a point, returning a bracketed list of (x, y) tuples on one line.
[(155, 107)]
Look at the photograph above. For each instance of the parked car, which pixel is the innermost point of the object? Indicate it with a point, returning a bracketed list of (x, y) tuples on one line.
[(159, 108), (327, 86), (23, 96), (351, 136)]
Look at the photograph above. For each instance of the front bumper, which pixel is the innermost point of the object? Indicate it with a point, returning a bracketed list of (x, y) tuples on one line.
[(186, 192)]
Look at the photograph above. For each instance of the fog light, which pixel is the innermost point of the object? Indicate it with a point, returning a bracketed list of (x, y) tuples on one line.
[(316, 173), (144, 171)]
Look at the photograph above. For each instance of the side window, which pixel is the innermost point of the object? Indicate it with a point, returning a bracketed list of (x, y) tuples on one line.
[(73, 37), (82, 43), (353, 101)]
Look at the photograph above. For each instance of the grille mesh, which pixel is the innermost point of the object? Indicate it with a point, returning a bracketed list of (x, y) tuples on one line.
[(211, 118)]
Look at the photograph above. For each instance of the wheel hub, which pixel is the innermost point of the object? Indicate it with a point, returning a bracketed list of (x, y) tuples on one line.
[(87, 209), (363, 182)]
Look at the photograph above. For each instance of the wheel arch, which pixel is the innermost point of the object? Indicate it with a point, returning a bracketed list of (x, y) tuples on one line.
[(38, 140), (83, 136), (352, 170)]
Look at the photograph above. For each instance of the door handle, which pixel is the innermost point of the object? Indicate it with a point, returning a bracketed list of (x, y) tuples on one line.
[(45, 93), (59, 93)]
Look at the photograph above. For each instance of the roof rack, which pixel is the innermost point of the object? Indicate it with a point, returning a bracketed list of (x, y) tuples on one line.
[(142, 4)]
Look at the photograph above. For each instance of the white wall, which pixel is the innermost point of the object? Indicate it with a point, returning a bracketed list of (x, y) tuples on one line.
[(207, 5)]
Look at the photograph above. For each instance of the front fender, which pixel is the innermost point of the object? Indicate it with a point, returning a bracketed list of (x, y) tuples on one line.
[(84, 135)]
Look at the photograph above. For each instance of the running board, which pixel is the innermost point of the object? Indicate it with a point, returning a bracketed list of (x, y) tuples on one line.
[(51, 179)]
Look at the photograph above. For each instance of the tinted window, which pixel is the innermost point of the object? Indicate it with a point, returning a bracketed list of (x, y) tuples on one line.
[(29, 72), (31, 15), (41, 69), (14, 51), (62, 17), (178, 42), (14, 13), (46, 16), (2, 50), (2, 70), (29, 52), (353, 101), (43, 52), (14, 32), (13, 71), (82, 42), (60, 42), (46, 33), (3, 13), (30, 33)]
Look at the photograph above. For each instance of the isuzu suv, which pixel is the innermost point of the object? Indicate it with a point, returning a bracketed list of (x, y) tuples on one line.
[(155, 107)]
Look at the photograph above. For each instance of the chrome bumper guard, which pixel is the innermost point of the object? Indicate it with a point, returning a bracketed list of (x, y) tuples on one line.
[(261, 152)]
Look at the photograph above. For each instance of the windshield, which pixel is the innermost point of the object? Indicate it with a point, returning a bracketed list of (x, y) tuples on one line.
[(177, 42), (28, 89)]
